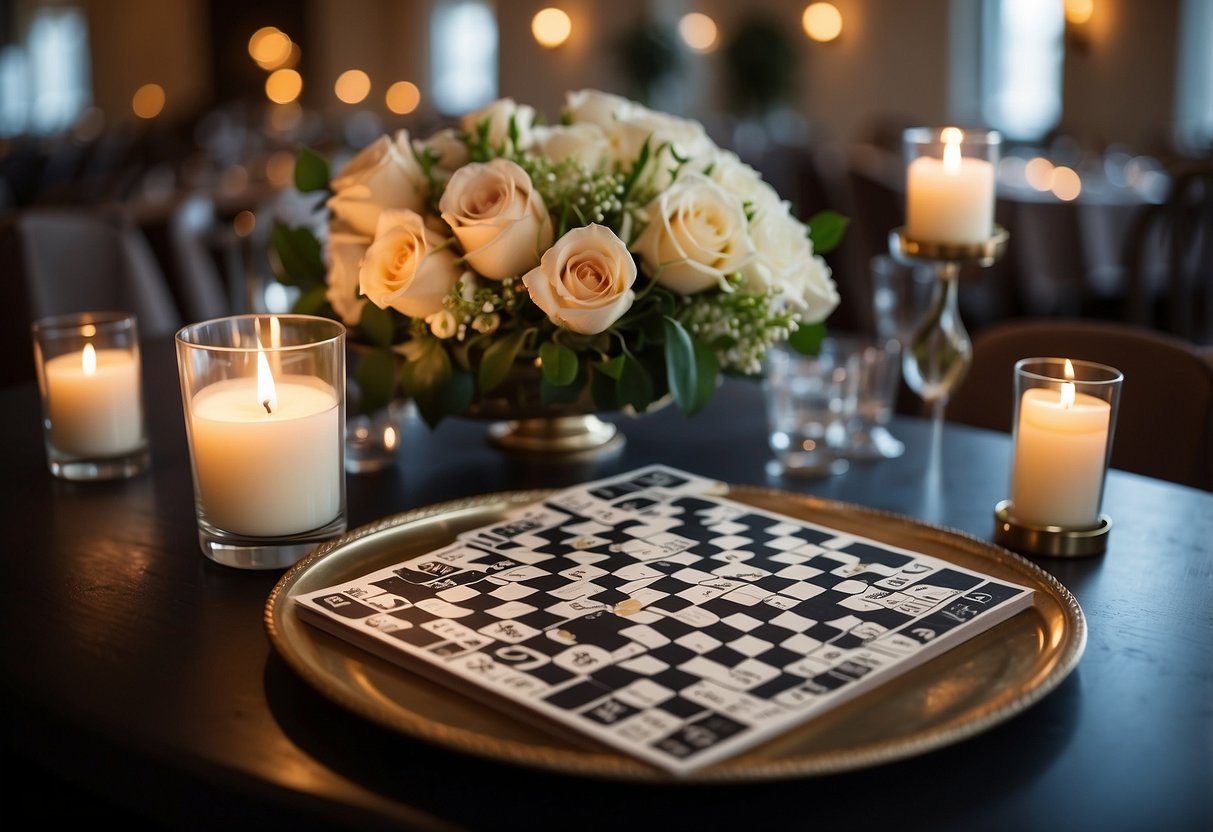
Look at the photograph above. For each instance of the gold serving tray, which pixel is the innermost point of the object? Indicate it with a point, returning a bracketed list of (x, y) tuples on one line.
[(968, 689)]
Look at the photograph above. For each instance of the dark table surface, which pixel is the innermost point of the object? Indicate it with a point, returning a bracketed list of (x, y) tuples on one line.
[(140, 685)]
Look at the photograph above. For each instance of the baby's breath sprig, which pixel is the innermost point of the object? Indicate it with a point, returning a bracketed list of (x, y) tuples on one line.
[(741, 326)]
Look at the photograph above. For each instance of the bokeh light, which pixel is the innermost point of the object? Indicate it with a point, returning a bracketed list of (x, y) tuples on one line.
[(148, 101), (244, 223), (551, 27), (402, 97), (283, 86), (822, 22), (1039, 173), (1079, 12), (270, 47), (1066, 183), (352, 86), (698, 32)]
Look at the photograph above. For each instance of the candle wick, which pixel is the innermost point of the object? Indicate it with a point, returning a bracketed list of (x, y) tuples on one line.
[(266, 405)]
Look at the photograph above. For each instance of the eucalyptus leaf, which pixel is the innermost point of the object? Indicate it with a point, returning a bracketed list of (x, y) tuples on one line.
[(708, 372), (311, 171), (438, 389), (635, 386), (299, 256), (375, 375), (377, 324), (312, 301), (682, 372), (497, 360), (807, 338), (560, 364), (826, 229), (613, 368)]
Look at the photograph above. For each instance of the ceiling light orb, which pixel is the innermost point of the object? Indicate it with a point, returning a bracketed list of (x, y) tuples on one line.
[(699, 32), (148, 101), (551, 27), (352, 86), (822, 22), (402, 97)]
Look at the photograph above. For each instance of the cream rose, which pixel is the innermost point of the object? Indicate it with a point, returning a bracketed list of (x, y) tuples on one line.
[(584, 281), (695, 237), (498, 218), (498, 115), (408, 267), (786, 263), (742, 181), (586, 143), (345, 259), (384, 175), (595, 107), (448, 149)]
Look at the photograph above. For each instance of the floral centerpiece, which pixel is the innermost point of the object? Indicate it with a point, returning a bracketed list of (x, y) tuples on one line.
[(620, 256)]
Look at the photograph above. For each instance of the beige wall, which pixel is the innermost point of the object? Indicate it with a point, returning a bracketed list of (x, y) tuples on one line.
[(891, 60), (137, 42)]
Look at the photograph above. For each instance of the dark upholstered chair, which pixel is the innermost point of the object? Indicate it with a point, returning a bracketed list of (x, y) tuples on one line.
[(1164, 428)]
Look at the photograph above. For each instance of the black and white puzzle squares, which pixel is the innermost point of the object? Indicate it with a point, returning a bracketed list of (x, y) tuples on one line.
[(654, 614)]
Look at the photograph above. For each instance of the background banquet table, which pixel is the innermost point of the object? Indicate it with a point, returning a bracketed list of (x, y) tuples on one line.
[(139, 682)]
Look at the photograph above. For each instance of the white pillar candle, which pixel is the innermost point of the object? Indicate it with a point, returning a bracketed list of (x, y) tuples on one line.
[(1061, 444), (93, 402), (267, 473), (950, 200)]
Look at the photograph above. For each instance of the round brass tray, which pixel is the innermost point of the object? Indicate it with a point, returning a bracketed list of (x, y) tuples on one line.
[(966, 690)]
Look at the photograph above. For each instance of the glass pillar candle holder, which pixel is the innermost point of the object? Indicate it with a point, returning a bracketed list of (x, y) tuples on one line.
[(950, 185), (90, 381), (1065, 420), (264, 399)]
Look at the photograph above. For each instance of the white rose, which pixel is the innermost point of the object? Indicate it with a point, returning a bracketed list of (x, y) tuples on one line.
[(498, 115), (742, 181), (498, 218), (345, 259), (673, 143), (408, 267), (384, 174), (695, 237), (595, 107), (585, 143), (584, 281), (449, 151), (786, 263)]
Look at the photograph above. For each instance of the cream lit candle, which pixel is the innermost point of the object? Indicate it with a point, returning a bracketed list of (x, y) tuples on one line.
[(93, 402), (1061, 444), (267, 459), (950, 199)]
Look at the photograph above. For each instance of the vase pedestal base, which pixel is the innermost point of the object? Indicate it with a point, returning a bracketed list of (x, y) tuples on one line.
[(557, 436)]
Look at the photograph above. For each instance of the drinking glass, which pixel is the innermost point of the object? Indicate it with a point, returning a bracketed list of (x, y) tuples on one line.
[(810, 403)]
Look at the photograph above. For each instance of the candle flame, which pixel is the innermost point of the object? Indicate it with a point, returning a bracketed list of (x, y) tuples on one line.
[(1067, 387), (952, 137), (88, 360), (267, 391)]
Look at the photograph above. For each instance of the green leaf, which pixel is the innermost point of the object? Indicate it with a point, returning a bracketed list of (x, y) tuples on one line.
[(826, 229), (311, 171), (614, 368), (312, 301), (497, 360), (707, 375), (375, 375), (680, 366), (807, 338), (604, 389), (438, 389), (560, 364), (635, 387), (563, 393), (377, 324), (299, 256)]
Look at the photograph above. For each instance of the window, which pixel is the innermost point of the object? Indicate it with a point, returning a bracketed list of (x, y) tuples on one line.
[(1021, 70), (45, 84), (463, 55), (1194, 102)]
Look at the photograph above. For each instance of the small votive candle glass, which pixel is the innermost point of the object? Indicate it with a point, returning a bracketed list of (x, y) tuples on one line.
[(1065, 420), (950, 184), (91, 384), (264, 402)]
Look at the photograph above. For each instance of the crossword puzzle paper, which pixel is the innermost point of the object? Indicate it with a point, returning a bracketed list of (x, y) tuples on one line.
[(667, 621)]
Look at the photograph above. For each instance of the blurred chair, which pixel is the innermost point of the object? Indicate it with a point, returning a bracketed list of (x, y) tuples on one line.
[(181, 232), (1164, 427), (66, 260), (1182, 228)]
